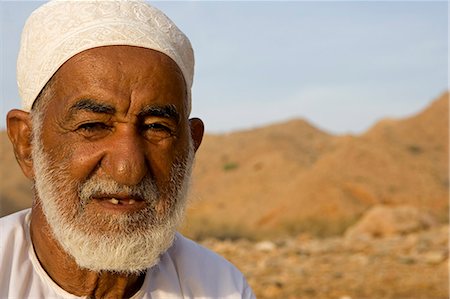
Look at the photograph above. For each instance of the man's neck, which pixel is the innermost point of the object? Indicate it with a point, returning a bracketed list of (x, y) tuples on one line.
[(63, 270)]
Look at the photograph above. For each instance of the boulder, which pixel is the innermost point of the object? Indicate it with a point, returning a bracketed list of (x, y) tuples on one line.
[(383, 221)]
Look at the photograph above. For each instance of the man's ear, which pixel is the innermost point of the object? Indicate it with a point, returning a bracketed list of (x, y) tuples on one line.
[(197, 130), (20, 133)]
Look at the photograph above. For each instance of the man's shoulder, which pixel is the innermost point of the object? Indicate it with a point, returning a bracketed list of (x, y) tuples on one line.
[(187, 251), (14, 221), (13, 229), (201, 271)]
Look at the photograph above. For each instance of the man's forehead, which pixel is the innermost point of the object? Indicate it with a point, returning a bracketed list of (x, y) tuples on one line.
[(121, 63), (119, 56), (119, 77)]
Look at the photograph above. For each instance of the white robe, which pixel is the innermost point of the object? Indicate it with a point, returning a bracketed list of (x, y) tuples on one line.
[(186, 270)]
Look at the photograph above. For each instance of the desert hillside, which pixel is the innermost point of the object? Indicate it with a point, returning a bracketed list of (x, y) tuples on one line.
[(291, 177)]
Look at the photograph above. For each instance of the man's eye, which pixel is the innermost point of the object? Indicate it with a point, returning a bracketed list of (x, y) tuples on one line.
[(93, 127), (155, 126), (156, 131)]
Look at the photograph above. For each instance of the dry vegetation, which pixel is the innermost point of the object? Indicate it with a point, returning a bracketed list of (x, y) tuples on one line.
[(277, 201)]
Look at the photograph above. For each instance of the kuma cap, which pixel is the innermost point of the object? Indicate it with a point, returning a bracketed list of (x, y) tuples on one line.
[(60, 29)]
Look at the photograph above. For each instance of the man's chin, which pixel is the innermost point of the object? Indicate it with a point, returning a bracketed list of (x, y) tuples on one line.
[(104, 239), (101, 238), (98, 221), (120, 252)]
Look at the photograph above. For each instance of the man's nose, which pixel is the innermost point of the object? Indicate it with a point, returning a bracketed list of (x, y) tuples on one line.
[(125, 160)]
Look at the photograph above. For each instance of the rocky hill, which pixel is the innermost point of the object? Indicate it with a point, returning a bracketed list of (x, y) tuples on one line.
[(290, 178)]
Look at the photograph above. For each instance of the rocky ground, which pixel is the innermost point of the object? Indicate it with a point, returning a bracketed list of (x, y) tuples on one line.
[(413, 266)]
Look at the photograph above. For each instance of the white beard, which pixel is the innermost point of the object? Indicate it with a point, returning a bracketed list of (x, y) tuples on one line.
[(110, 242)]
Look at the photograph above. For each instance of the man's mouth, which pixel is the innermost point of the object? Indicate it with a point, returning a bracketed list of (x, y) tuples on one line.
[(118, 201)]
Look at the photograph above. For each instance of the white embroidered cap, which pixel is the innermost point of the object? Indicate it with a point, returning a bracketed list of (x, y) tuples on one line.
[(60, 29)]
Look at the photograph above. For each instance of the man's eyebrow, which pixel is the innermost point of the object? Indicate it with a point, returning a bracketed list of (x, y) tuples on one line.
[(92, 106), (167, 111)]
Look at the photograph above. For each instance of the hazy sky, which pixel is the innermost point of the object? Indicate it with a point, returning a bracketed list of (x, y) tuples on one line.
[(340, 65)]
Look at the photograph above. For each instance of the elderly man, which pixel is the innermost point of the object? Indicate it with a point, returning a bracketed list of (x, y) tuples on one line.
[(106, 138)]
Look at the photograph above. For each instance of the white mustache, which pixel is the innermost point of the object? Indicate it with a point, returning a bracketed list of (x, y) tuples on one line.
[(146, 190)]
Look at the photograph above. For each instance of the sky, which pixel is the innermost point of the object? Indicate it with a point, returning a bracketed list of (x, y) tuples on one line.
[(342, 66)]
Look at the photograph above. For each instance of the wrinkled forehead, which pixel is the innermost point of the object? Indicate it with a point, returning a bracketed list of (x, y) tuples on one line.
[(120, 62), (123, 77)]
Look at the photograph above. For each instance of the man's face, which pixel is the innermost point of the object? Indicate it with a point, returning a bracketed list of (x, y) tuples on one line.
[(114, 155)]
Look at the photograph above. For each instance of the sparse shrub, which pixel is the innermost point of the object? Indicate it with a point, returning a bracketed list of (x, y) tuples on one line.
[(415, 149), (320, 228), (230, 166), (200, 229)]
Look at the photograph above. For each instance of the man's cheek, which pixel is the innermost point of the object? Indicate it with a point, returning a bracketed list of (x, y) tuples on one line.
[(83, 161)]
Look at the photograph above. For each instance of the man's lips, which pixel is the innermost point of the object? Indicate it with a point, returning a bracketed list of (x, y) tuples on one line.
[(118, 202)]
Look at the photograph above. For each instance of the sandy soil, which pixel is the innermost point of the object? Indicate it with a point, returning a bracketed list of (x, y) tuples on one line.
[(412, 266)]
